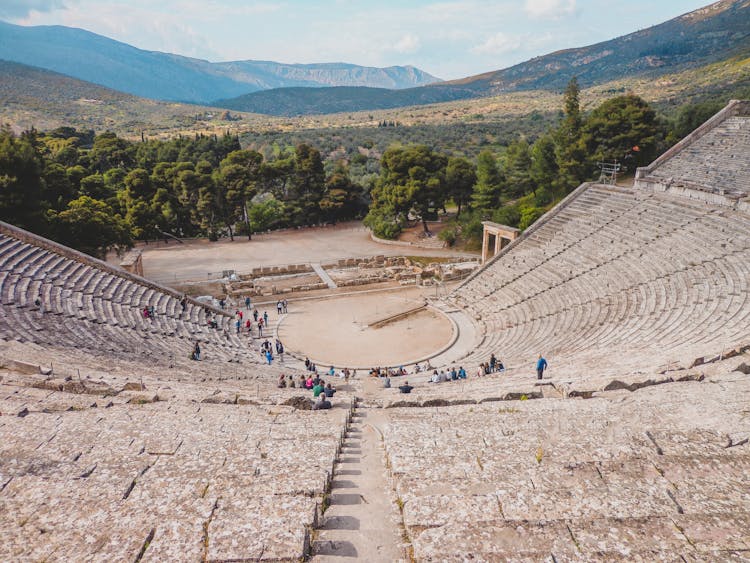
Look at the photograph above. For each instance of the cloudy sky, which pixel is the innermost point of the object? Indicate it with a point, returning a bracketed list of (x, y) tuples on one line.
[(450, 38)]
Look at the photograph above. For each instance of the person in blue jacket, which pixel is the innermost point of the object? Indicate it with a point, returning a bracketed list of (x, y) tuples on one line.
[(541, 365)]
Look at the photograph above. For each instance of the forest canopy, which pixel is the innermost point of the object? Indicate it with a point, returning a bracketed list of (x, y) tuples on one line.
[(100, 192)]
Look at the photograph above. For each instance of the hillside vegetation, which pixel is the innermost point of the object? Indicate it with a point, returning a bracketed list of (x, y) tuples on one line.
[(36, 98), (96, 192)]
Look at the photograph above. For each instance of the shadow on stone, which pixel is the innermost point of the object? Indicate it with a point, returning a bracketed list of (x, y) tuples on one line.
[(342, 484), (348, 472), (344, 499), (338, 548), (349, 460), (341, 523)]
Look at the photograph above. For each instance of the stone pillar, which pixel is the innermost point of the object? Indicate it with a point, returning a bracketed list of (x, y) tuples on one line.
[(503, 234), (133, 262)]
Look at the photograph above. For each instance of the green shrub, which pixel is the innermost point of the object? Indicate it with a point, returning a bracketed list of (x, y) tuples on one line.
[(509, 215), (529, 214), (448, 235)]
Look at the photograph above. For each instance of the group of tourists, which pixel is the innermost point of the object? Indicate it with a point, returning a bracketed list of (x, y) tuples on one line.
[(321, 390), (266, 350), (258, 320), (485, 368), (281, 306), (494, 365)]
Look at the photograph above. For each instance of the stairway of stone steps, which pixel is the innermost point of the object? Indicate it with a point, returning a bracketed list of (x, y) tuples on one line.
[(361, 520)]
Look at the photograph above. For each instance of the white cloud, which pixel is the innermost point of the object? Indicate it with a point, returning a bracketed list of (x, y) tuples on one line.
[(550, 9), (408, 43), (13, 9), (498, 44)]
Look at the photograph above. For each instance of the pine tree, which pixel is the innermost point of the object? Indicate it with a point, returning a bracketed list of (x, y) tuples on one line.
[(571, 155), (490, 182)]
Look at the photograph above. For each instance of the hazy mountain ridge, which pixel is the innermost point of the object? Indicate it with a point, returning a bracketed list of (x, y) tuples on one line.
[(163, 76), (269, 74), (714, 33)]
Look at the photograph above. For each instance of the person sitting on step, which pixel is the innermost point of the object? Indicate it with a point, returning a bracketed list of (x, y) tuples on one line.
[(322, 403), (405, 388)]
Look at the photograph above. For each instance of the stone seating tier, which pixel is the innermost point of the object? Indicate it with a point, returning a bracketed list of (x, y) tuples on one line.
[(631, 477), (83, 305), (660, 278), (717, 160)]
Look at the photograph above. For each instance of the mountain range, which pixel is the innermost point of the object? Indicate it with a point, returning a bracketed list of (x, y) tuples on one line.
[(703, 51), (714, 33), (164, 76)]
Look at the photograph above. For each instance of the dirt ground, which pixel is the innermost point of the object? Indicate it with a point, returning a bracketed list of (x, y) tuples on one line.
[(201, 259), (335, 331)]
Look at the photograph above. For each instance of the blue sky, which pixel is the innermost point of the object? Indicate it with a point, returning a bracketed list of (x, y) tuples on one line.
[(449, 38)]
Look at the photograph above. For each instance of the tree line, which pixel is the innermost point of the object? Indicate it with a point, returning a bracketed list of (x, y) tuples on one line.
[(101, 192), (516, 187)]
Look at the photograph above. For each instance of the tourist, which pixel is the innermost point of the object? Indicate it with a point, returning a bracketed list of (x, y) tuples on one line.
[(196, 353), (405, 388), (279, 306), (454, 373), (318, 388), (322, 403), (238, 325), (265, 318), (247, 302), (387, 383), (249, 326), (461, 372), (183, 303), (260, 328), (309, 382), (541, 365), (331, 371), (284, 305), (435, 377), (329, 391), (269, 357), (255, 315), (222, 303), (282, 382), (480, 371), (291, 382), (493, 361), (500, 366), (307, 363), (302, 382)]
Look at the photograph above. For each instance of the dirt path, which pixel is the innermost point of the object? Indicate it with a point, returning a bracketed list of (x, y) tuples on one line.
[(362, 521)]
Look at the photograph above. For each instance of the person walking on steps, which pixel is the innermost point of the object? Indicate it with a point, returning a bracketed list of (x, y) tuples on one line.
[(541, 365)]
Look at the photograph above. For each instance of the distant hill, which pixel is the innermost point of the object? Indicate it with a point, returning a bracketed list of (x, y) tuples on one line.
[(163, 76), (718, 32), (34, 97), (307, 101)]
